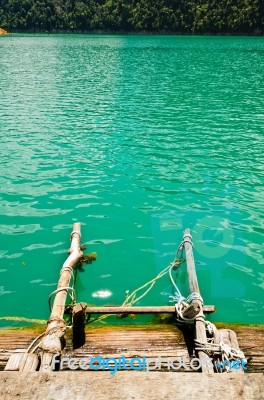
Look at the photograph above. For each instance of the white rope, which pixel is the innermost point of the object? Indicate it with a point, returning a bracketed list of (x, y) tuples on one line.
[(210, 327), (222, 348), (78, 233), (178, 297), (73, 297), (230, 352), (181, 303), (67, 268), (34, 341), (187, 239)]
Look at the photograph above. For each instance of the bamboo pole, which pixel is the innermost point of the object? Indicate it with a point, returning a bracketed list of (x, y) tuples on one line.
[(200, 331), (136, 310), (52, 341)]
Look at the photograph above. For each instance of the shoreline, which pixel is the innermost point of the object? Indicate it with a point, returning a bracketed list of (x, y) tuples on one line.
[(132, 33)]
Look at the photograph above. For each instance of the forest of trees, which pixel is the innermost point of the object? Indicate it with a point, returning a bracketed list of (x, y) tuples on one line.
[(179, 16)]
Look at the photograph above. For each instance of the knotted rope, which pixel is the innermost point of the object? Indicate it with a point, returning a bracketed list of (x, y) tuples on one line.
[(221, 349)]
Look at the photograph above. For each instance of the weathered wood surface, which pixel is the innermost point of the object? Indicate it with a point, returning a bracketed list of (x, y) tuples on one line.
[(22, 362), (194, 288), (135, 385), (163, 340), (133, 341)]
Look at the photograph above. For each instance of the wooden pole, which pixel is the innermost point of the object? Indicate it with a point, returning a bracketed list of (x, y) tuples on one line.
[(200, 331), (136, 310), (52, 341), (228, 337)]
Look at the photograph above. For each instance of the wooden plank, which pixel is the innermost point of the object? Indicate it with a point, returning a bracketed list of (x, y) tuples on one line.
[(22, 362), (194, 288), (145, 340), (14, 362), (137, 310), (30, 362)]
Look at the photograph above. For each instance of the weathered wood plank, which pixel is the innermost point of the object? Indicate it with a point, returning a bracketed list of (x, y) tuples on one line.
[(14, 362), (128, 340), (30, 362)]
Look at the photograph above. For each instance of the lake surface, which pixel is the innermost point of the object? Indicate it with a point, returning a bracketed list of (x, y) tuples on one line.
[(136, 137)]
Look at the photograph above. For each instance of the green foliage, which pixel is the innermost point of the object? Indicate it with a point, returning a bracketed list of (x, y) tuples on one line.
[(179, 16)]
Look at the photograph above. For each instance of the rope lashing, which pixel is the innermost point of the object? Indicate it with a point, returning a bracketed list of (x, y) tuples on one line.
[(182, 303), (67, 268), (229, 353), (34, 341), (76, 232), (73, 297), (194, 296), (210, 327), (56, 319), (187, 239), (73, 274)]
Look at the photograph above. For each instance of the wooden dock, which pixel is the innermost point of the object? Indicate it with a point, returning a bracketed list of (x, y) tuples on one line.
[(165, 340), (27, 355)]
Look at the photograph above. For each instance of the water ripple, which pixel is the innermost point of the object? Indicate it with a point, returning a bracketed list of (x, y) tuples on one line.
[(136, 137)]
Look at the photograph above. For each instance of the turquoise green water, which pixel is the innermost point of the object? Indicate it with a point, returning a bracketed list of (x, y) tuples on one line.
[(136, 137)]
